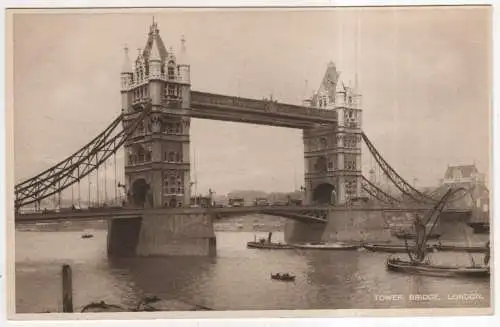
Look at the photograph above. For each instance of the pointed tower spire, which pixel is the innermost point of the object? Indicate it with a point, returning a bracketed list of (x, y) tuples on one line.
[(127, 66), (155, 51), (183, 60)]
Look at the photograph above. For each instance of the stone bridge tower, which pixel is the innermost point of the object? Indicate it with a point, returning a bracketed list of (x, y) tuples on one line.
[(157, 164), (332, 154)]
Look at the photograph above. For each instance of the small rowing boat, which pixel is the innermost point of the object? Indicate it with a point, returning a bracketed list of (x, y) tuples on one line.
[(286, 277)]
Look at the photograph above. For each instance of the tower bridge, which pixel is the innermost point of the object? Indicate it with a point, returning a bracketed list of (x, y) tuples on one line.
[(157, 106)]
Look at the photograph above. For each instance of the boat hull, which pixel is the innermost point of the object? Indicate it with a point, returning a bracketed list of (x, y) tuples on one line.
[(409, 236), (388, 248), (437, 270), (269, 246), (326, 247), (283, 279), (453, 248)]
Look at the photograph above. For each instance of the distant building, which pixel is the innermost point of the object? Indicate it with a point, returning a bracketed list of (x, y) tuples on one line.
[(469, 177), (463, 174)]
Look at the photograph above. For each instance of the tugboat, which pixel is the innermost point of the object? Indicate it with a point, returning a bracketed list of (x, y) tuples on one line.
[(267, 244), (286, 277), (419, 263)]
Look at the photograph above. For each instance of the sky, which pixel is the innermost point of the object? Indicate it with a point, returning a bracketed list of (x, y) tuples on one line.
[(424, 74)]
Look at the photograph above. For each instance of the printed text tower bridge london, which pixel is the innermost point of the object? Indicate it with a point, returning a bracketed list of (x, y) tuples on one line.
[(154, 129)]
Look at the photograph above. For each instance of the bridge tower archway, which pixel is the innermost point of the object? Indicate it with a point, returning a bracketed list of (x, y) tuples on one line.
[(324, 193), (140, 190)]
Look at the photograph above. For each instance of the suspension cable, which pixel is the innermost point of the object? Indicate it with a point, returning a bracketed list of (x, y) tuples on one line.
[(61, 176)]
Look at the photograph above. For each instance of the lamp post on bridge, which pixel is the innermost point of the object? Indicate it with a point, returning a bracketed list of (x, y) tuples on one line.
[(303, 192), (90, 184), (210, 195), (120, 185)]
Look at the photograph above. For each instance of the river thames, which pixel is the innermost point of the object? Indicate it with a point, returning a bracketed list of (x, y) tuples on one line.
[(237, 279)]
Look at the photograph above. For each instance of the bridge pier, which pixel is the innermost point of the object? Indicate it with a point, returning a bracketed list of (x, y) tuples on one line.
[(344, 226), (357, 226), (162, 235), (301, 232)]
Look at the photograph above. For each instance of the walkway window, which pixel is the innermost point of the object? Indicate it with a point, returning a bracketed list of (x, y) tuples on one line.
[(178, 157), (171, 157)]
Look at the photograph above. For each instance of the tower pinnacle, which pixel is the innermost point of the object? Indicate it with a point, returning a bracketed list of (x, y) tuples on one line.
[(127, 66), (155, 51), (183, 60)]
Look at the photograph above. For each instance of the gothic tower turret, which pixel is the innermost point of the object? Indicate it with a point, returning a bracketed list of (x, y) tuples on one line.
[(332, 154), (157, 167), (127, 77)]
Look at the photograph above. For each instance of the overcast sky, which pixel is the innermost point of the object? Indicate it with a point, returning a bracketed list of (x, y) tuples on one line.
[(424, 74)]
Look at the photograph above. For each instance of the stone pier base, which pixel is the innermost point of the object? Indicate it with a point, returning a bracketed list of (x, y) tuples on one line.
[(357, 226), (342, 226), (161, 235), (299, 232)]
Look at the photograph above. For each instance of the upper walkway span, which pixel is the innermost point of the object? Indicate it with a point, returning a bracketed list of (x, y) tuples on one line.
[(263, 112)]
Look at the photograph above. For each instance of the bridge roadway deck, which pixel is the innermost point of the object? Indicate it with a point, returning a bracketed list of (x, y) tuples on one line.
[(124, 213)]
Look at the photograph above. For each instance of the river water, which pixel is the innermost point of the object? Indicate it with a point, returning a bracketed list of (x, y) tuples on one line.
[(237, 279)]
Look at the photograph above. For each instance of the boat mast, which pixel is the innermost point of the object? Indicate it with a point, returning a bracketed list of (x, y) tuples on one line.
[(195, 182), (420, 226)]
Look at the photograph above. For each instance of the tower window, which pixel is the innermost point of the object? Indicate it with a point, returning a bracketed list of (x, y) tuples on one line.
[(171, 90), (322, 143), (171, 72)]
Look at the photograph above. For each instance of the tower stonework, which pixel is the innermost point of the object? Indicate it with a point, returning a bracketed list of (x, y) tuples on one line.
[(157, 163), (332, 153)]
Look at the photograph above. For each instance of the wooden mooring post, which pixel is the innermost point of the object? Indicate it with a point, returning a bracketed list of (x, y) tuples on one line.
[(67, 289)]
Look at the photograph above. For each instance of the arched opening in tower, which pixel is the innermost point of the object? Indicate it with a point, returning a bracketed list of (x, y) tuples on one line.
[(139, 191), (324, 194)]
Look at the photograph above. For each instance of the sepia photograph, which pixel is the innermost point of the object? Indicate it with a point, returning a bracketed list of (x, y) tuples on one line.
[(250, 160)]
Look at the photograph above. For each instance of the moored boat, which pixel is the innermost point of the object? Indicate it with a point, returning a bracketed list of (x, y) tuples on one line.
[(286, 277), (436, 270), (269, 245), (328, 246), (412, 236), (390, 248), (459, 248), (419, 262)]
